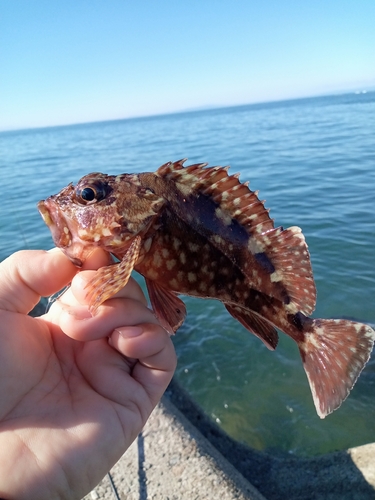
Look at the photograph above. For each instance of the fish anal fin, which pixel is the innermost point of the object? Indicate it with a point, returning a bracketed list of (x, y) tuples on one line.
[(255, 324), (168, 308), (111, 279), (334, 352)]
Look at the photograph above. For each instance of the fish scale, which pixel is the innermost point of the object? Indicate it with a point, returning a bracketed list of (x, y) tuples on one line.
[(199, 231)]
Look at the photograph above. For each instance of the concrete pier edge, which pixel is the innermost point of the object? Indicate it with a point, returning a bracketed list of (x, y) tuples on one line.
[(183, 454)]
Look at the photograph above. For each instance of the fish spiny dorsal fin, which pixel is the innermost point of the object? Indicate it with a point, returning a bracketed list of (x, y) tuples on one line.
[(225, 190), (237, 200), (168, 169)]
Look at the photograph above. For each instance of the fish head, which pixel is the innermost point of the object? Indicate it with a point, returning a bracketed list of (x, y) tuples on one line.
[(99, 211)]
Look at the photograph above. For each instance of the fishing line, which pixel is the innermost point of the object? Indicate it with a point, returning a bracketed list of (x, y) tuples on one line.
[(52, 298), (113, 487)]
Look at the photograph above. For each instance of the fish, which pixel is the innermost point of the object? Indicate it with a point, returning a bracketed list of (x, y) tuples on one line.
[(199, 231)]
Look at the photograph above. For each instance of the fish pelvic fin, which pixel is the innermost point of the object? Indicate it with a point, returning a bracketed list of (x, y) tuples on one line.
[(334, 352), (168, 308), (255, 324)]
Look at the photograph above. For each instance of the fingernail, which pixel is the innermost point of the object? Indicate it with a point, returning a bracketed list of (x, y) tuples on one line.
[(129, 331)]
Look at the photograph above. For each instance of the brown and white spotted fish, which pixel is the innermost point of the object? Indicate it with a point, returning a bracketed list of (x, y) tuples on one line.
[(199, 231)]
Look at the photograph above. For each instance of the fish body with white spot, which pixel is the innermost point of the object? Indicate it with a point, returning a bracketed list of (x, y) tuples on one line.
[(199, 231)]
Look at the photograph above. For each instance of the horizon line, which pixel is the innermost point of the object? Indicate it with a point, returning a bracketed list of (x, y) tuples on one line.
[(192, 110)]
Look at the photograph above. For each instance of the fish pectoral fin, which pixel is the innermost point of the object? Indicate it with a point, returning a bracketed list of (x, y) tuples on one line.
[(168, 308), (256, 325), (111, 279), (334, 353)]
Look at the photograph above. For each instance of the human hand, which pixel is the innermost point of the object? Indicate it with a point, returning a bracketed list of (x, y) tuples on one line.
[(75, 390)]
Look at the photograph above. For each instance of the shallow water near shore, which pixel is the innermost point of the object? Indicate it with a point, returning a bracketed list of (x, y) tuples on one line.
[(313, 160)]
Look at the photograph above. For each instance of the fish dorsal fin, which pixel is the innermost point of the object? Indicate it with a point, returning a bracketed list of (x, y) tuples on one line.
[(274, 261), (288, 252), (225, 190)]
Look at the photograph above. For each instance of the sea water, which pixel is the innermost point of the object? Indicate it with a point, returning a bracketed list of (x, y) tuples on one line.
[(313, 160)]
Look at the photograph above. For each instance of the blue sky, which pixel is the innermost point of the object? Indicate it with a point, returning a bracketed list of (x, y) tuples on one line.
[(73, 61)]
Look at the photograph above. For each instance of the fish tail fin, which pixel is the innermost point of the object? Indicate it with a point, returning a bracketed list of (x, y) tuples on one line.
[(334, 352)]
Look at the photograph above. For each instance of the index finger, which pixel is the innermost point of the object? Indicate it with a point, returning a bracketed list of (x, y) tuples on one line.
[(29, 274)]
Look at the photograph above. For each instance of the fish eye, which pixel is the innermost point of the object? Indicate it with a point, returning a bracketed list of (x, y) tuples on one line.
[(88, 194), (91, 194)]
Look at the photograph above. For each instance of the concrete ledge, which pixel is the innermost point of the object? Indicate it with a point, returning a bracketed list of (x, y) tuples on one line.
[(171, 460), (344, 475), (182, 454)]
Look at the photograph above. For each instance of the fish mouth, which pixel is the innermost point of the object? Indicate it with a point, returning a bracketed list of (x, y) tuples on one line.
[(45, 213), (63, 231)]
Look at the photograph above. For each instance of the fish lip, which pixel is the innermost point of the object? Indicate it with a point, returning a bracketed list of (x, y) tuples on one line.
[(56, 222), (61, 231), (44, 212)]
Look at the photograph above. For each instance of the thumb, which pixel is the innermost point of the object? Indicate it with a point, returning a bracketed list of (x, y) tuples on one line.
[(27, 275)]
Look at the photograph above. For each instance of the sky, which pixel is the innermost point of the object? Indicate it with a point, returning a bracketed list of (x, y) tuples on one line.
[(76, 61)]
